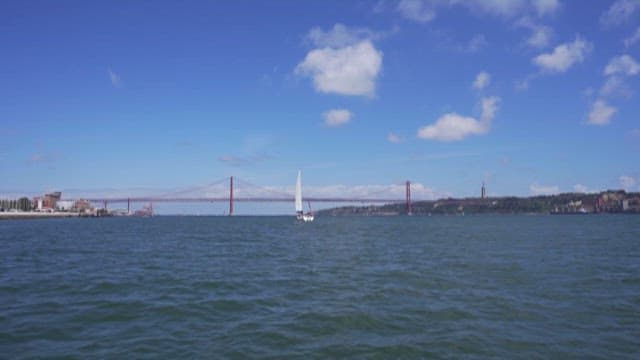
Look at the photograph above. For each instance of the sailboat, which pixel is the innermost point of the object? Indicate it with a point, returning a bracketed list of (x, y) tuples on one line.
[(300, 215)]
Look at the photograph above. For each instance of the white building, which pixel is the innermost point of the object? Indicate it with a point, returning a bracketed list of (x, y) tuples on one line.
[(64, 205)]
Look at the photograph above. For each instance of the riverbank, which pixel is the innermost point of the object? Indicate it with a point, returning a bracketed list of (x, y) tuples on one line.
[(35, 215), (606, 202)]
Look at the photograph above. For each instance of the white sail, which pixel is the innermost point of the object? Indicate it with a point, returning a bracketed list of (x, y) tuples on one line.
[(299, 193), (300, 215)]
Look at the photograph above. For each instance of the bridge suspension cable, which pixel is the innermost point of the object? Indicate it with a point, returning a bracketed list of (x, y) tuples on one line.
[(197, 191), (245, 191), (262, 191)]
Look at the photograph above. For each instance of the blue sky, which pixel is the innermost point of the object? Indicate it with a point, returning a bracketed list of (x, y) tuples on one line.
[(532, 96)]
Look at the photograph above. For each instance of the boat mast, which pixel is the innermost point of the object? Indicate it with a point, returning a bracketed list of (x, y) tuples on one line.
[(299, 193)]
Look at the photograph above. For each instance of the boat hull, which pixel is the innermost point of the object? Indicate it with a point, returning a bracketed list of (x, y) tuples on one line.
[(305, 217)]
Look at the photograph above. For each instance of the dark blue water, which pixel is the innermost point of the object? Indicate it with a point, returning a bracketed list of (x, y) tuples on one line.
[(386, 287)]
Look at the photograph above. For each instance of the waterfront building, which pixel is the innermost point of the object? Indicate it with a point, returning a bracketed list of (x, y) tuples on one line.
[(82, 205), (65, 205), (47, 202), (51, 199)]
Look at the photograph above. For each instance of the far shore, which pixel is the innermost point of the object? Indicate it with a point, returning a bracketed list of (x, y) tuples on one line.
[(35, 215)]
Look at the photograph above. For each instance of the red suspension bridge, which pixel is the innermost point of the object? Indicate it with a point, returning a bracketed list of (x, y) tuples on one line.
[(247, 192)]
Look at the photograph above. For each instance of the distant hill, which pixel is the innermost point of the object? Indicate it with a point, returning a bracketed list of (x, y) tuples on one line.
[(612, 201)]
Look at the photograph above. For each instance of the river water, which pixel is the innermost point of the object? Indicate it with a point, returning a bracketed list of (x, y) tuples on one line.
[(366, 287)]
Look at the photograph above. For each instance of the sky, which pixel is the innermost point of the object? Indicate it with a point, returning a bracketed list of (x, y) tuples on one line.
[(131, 97)]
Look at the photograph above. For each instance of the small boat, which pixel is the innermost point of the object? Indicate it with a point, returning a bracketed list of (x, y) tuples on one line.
[(146, 211), (300, 215)]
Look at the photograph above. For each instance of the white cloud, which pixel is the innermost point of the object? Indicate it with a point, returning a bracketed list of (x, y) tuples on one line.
[(615, 85), (483, 79), (537, 189), (477, 43), (394, 138), (350, 70), (341, 36), (505, 8), (541, 35), (544, 7), (510, 8), (489, 109), (627, 182), (453, 127), (417, 10), (601, 113), (564, 56), (624, 65), (634, 38), (337, 117), (620, 12), (616, 70), (579, 188), (115, 78), (611, 85), (424, 11)]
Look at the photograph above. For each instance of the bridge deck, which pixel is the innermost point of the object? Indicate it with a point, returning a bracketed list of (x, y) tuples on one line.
[(239, 199)]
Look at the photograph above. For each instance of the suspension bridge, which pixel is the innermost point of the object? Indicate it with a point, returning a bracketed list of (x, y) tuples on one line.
[(233, 190)]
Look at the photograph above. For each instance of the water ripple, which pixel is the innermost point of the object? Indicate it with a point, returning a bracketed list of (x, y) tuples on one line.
[(268, 287)]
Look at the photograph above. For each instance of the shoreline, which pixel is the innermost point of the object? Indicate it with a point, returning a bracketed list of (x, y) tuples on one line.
[(35, 215)]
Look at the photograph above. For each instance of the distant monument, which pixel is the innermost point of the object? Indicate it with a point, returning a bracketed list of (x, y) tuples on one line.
[(483, 191)]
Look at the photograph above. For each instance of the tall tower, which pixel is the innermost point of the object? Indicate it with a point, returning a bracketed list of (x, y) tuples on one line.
[(231, 196), (483, 192)]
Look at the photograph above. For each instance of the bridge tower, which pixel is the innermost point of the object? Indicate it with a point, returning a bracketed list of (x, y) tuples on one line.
[(231, 196), (408, 185)]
